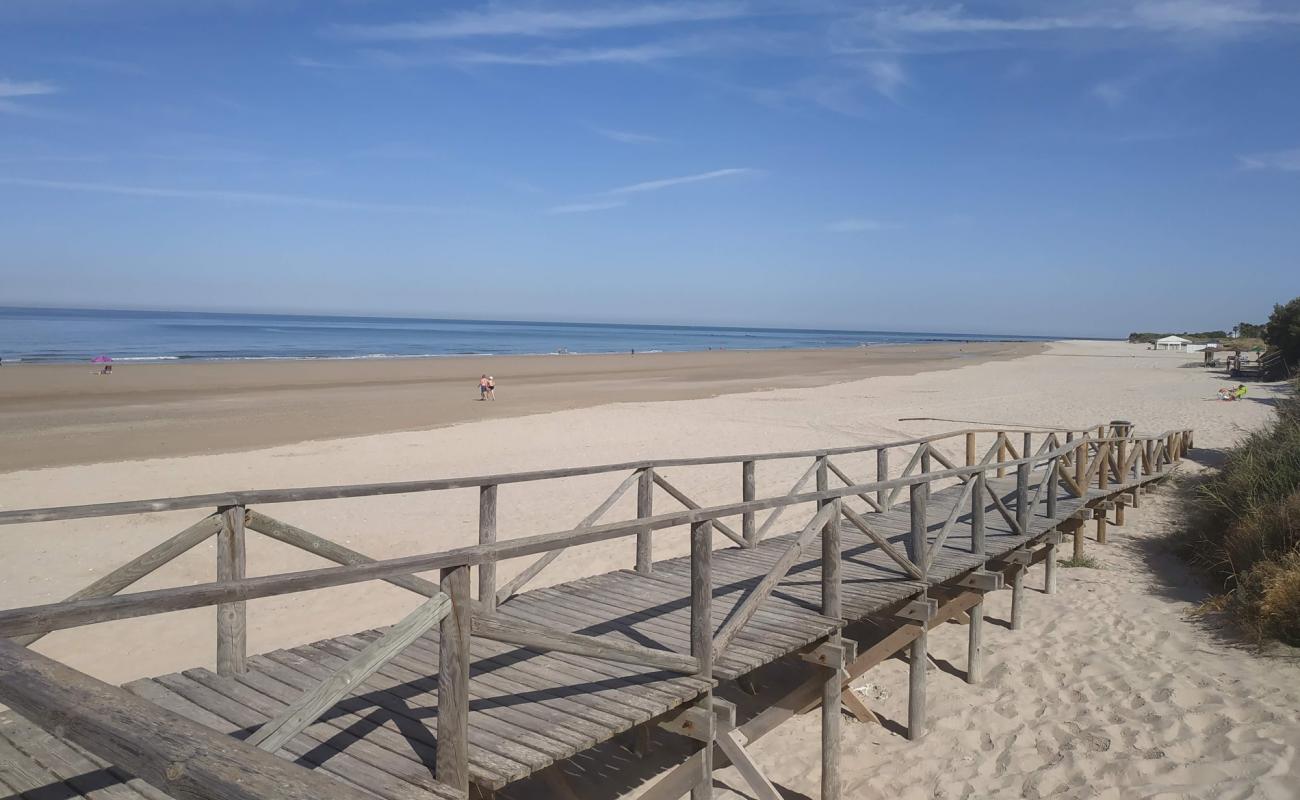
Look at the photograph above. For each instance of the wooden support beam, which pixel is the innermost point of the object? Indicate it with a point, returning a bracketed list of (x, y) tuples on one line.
[(858, 708), (1017, 596), (452, 767), (694, 506), (729, 743), (487, 534), (304, 711), (702, 637), (184, 759), (1099, 514), (232, 617), (142, 565), (521, 580), (982, 581), (922, 609), (748, 491), (645, 508), (1049, 577), (882, 474), (544, 639), (884, 544)]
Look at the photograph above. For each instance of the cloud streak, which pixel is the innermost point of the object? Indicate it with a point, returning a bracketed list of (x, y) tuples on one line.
[(584, 208), (629, 137), (664, 183), (858, 225), (536, 23), (1281, 160), (218, 195)]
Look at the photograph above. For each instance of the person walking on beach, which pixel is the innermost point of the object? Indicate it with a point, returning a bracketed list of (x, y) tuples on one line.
[(491, 388), (483, 387)]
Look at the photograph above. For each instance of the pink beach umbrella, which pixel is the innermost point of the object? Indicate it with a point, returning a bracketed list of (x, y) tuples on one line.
[(100, 360)]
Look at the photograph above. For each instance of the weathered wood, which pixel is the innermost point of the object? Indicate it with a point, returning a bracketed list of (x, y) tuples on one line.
[(332, 551), (232, 617), (748, 491), (884, 544), (544, 639), (1049, 577), (916, 685), (1017, 597), (644, 510), (142, 565), (745, 610), (866, 498), (453, 681), (694, 506), (35, 619), (523, 578), (182, 758), (487, 534), (970, 449), (303, 712), (729, 743), (702, 639), (777, 512), (975, 644), (977, 528), (882, 474), (1002, 453)]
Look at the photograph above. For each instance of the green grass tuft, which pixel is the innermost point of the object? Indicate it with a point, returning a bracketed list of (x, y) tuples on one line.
[(1087, 562)]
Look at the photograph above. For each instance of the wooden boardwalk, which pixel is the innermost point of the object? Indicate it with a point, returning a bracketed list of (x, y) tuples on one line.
[(532, 702)]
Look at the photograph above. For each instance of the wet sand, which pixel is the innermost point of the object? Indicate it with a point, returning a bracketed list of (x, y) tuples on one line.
[(56, 415)]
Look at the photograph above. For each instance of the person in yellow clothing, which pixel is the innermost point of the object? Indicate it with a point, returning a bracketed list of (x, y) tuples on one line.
[(1239, 392)]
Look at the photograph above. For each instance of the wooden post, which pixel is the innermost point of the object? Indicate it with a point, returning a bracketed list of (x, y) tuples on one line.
[(232, 618), (833, 689), (1002, 453), (1049, 574), (917, 659), (1069, 439), (882, 474), (970, 449), (487, 534), (1081, 464), (748, 492), (975, 643), (1017, 596), (1053, 486), (1078, 541), (1022, 496), (1150, 452), (452, 767), (702, 636), (645, 508), (1103, 483)]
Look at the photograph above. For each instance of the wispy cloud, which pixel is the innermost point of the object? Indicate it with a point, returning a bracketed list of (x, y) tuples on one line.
[(629, 137), (501, 21), (569, 56), (583, 208), (10, 89), (887, 77), (664, 183), (915, 26), (1284, 160), (219, 195), (858, 225)]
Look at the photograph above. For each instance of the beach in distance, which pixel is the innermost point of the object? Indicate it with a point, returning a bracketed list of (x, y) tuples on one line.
[(58, 414)]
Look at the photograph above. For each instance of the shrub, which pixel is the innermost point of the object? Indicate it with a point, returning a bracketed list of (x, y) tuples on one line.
[(1283, 330), (1244, 529)]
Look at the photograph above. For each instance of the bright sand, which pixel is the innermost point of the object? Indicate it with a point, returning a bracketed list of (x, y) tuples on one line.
[(1111, 690)]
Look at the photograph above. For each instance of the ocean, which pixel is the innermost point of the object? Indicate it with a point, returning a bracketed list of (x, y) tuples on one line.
[(47, 335)]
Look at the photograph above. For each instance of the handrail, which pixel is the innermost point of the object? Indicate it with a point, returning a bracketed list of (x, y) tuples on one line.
[(55, 616), (267, 496)]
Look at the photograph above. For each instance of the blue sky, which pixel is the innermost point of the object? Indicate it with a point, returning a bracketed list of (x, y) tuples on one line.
[(1012, 167)]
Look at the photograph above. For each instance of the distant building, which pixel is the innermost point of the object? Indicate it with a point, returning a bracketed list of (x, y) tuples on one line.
[(1172, 343)]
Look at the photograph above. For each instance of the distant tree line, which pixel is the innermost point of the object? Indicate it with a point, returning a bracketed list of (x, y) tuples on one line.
[(1205, 336)]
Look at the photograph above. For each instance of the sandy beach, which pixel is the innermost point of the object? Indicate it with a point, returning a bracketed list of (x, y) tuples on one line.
[(1113, 689), (61, 414)]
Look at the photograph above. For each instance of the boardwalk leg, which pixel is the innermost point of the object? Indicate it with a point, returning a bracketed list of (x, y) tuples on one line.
[(1078, 541), (702, 639), (1119, 512), (831, 690), (1100, 515), (1017, 596), (452, 766), (487, 534), (1049, 576), (975, 645), (232, 618), (916, 686)]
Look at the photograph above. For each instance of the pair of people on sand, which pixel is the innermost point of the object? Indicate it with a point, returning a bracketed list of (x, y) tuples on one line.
[(487, 388), (1233, 394)]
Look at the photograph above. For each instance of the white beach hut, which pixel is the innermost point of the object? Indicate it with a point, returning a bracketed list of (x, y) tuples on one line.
[(1172, 343)]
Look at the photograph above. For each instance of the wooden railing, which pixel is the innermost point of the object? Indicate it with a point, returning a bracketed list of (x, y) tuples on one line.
[(1075, 458)]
